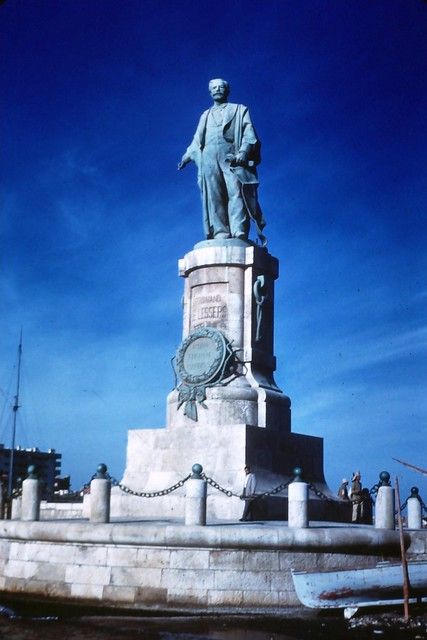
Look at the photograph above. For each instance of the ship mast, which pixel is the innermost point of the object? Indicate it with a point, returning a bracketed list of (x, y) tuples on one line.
[(15, 408)]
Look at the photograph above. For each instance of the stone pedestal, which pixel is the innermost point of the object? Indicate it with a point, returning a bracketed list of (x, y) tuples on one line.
[(223, 282), (241, 416), (100, 491), (30, 505), (195, 502), (384, 508), (415, 515), (298, 505)]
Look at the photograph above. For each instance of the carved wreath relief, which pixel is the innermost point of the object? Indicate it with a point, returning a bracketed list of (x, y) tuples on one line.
[(204, 359)]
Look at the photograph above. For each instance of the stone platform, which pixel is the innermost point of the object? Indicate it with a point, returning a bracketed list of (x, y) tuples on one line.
[(272, 454), (166, 566)]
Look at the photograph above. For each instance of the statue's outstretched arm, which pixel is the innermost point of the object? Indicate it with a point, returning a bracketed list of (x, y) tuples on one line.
[(184, 161)]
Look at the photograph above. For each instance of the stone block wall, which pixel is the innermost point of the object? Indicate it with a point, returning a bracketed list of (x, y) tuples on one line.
[(178, 568), (159, 578)]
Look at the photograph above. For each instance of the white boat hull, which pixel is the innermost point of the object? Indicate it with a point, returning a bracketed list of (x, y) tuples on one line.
[(381, 585)]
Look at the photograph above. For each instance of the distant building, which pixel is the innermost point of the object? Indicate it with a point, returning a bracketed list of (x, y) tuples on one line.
[(47, 463)]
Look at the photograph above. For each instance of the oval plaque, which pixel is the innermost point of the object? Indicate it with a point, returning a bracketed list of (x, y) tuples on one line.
[(201, 356)]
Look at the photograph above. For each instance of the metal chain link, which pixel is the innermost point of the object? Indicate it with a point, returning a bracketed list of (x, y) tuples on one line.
[(229, 493), (217, 486), (278, 489), (147, 494), (213, 483), (403, 506), (319, 493), (373, 491), (420, 500)]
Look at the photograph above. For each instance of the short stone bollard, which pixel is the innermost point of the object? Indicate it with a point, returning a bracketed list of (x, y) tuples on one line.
[(298, 502), (195, 497), (415, 517), (31, 496), (385, 504), (100, 492), (16, 508)]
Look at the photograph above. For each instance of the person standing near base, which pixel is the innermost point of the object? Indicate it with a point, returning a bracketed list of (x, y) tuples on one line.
[(343, 490), (248, 495), (356, 497)]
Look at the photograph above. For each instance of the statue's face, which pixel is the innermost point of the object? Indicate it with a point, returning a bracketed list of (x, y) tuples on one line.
[(218, 89)]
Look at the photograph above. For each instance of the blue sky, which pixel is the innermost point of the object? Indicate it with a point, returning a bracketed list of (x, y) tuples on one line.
[(100, 99)]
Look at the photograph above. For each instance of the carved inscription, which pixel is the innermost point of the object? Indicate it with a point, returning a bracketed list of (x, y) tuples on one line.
[(208, 310), (199, 356)]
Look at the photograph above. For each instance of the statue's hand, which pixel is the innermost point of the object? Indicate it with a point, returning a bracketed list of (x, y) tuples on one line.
[(241, 158), (184, 161)]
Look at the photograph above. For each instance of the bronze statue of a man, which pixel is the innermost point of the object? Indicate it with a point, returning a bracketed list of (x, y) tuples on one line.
[(226, 150)]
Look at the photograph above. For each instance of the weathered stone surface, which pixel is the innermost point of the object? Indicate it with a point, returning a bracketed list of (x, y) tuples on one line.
[(187, 596), (418, 542), (87, 575), (262, 561), (115, 594), (345, 539), (225, 559), (51, 510), (121, 557), (135, 576), (151, 596), (225, 598), (213, 574), (93, 555), (20, 569), (189, 559), (261, 598), (88, 591), (153, 557), (258, 580), (176, 579), (38, 587)]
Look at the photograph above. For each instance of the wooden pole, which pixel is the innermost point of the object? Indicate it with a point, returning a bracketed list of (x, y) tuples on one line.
[(406, 585)]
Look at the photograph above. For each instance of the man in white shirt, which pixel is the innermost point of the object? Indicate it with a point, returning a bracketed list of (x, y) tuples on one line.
[(248, 494)]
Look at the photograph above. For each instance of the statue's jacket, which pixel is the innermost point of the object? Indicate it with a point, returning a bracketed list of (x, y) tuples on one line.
[(239, 131)]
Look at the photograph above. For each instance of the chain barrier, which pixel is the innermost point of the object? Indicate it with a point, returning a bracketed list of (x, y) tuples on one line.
[(319, 493), (210, 481), (278, 489), (213, 483), (402, 506), (227, 492), (217, 486), (132, 492), (148, 494), (420, 500), (373, 491)]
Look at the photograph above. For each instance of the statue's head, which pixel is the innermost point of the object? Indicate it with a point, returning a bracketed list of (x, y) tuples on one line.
[(219, 89)]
